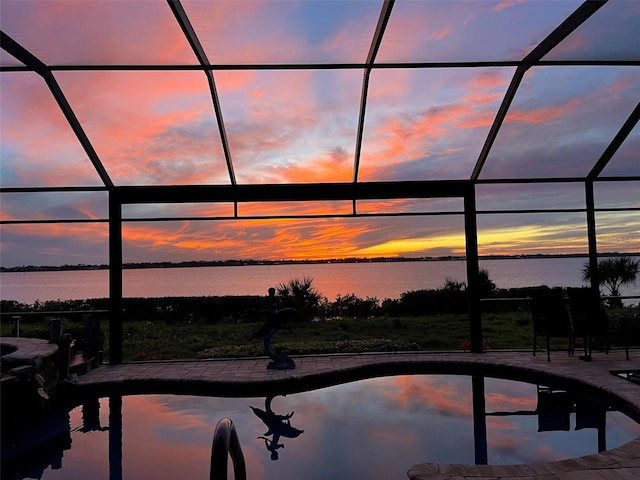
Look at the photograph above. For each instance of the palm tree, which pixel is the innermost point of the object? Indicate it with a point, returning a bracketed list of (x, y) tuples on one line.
[(301, 295), (614, 273)]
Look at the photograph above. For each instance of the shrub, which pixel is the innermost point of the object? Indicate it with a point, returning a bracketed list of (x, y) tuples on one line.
[(428, 302), (351, 306)]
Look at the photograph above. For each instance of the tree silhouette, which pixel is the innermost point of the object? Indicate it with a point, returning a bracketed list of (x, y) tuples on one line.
[(614, 273)]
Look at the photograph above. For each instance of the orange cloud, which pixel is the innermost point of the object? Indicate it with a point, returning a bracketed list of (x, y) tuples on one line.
[(261, 239), (544, 114), (335, 166)]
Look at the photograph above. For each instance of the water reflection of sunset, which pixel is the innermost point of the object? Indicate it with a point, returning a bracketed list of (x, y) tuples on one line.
[(380, 426)]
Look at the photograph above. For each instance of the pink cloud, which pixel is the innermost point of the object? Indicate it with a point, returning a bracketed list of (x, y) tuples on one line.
[(506, 4), (442, 33), (500, 400), (505, 442), (229, 81), (575, 42), (416, 28), (614, 89), (138, 26), (148, 126), (402, 139), (409, 390), (488, 80)]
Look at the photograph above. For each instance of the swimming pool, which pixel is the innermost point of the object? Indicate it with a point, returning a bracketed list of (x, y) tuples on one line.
[(374, 428)]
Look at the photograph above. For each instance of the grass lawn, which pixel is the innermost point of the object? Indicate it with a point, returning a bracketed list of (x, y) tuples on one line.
[(161, 340), (143, 340)]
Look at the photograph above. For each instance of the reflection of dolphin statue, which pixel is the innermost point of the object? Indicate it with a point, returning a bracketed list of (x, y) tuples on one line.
[(277, 424)]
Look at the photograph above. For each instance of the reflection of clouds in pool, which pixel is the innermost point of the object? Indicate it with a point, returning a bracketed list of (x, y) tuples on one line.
[(449, 396), (413, 410), (377, 423), (505, 401), (504, 443), (159, 442)]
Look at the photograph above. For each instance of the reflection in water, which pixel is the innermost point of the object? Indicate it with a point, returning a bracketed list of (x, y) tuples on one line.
[(277, 426), (555, 408), (379, 426), (31, 451), (29, 454)]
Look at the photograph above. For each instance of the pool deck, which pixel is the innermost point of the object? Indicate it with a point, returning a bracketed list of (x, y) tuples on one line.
[(250, 376)]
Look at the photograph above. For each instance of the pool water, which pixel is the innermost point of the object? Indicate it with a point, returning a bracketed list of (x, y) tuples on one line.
[(375, 429)]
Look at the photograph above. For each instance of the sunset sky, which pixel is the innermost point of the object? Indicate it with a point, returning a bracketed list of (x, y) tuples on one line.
[(159, 127)]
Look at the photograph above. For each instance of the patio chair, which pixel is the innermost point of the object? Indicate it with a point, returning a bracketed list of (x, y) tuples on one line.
[(550, 318), (591, 322)]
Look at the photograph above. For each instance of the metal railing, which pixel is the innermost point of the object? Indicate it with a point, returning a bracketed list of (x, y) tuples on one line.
[(225, 443)]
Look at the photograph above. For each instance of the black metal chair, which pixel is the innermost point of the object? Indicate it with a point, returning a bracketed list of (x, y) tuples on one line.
[(591, 322), (550, 318)]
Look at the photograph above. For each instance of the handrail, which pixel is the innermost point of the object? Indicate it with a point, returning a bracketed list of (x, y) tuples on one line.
[(225, 443), (525, 299), (51, 312)]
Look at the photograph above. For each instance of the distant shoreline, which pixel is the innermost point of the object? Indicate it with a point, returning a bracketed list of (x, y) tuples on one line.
[(239, 263)]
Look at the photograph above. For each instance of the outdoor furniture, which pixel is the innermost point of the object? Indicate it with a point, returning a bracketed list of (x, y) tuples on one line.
[(626, 327), (550, 318), (591, 322)]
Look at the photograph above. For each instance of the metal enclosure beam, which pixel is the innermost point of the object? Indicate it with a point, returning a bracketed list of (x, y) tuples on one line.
[(577, 18), (192, 38), (615, 144), (385, 13), (292, 192), (31, 61)]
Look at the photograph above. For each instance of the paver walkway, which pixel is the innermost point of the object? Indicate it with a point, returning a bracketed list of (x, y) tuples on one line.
[(251, 376)]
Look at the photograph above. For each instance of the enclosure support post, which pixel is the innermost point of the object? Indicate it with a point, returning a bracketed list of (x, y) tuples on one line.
[(591, 235), (473, 268), (115, 279)]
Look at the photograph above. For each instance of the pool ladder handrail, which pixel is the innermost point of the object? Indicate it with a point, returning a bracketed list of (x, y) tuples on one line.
[(225, 443)]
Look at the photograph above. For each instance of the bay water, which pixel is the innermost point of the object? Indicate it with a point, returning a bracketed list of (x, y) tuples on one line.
[(379, 280)]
